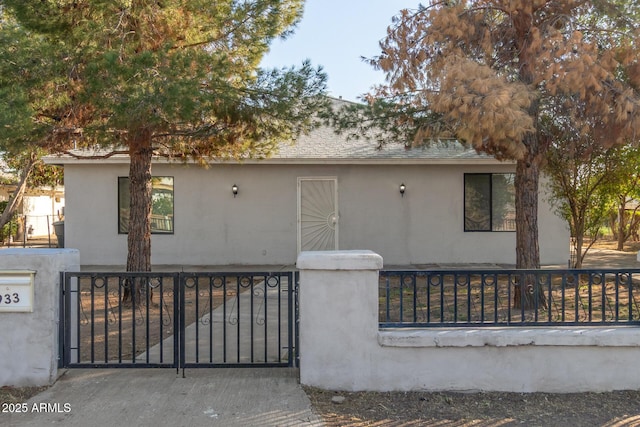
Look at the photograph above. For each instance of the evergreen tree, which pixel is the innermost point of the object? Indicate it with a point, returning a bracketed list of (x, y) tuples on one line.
[(171, 78), (493, 73)]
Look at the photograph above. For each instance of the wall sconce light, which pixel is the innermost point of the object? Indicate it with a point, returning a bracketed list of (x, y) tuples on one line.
[(234, 190), (402, 189)]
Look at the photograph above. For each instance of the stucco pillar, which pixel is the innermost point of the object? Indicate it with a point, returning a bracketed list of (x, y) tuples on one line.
[(29, 340), (338, 317)]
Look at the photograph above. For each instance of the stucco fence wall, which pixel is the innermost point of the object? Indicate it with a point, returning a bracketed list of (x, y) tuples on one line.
[(341, 347), (29, 340)]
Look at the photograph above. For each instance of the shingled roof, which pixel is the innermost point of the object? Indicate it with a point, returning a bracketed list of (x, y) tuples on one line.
[(324, 143), (324, 146)]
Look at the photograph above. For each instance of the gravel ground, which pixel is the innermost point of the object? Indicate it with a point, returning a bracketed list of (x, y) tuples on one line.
[(613, 409)]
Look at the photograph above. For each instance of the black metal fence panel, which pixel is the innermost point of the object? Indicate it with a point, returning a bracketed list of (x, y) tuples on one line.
[(120, 319), (502, 297), (237, 319), (178, 319)]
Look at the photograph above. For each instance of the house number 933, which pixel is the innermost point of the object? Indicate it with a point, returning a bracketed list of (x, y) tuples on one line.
[(10, 298)]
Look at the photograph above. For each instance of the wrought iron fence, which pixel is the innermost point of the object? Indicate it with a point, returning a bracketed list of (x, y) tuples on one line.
[(444, 298), (119, 319), (183, 319), (240, 319)]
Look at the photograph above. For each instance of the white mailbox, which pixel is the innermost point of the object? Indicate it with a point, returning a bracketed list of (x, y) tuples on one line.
[(16, 290)]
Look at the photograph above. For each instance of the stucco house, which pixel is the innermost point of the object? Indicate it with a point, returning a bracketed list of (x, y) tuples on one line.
[(441, 205)]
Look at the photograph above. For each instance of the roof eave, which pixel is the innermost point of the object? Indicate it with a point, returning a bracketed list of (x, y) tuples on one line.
[(68, 160)]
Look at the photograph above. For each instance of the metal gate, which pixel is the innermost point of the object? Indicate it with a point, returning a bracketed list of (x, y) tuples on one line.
[(178, 320)]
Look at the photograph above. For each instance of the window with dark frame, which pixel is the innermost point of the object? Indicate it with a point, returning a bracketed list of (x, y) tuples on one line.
[(489, 202), (162, 209)]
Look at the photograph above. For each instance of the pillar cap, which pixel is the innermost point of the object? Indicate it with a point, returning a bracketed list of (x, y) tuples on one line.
[(339, 260)]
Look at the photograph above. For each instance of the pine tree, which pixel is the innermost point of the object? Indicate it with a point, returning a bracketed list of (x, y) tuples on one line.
[(494, 69), (492, 74), (171, 78)]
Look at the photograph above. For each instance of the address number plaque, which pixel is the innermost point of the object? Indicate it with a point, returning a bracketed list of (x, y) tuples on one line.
[(16, 290)]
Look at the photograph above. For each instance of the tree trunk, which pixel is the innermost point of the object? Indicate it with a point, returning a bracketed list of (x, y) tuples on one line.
[(16, 197), (139, 237), (633, 225), (526, 183), (613, 224), (528, 294), (578, 248), (622, 222)]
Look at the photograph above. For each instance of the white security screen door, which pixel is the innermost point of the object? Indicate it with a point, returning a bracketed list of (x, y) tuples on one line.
[(317, 214)]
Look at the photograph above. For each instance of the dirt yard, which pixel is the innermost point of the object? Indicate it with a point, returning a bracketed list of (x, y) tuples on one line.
[(399, 409), (611, 244)]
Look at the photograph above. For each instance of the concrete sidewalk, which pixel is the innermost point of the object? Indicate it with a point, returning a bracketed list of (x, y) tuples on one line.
[(161, 397)]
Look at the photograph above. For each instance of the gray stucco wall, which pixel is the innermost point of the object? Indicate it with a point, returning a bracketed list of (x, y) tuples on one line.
[(341, 288), (29, 341), (259, 226)]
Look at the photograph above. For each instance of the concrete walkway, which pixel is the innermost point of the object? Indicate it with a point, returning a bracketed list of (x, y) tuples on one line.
[(161, 397), (257, 321)]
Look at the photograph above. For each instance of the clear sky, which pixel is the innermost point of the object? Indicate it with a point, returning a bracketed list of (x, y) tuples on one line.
[(336, 34)]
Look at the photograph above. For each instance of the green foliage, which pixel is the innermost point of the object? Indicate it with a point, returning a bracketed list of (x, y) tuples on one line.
[(578, 183), (22, 67), (182, 73), (11, 227), (171, 78), (386, 120), (42, 175), (625, 221), (586, 183)]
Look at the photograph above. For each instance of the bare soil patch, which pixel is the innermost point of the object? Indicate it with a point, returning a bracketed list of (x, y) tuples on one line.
[(630, 246), (10, 394), (613, 409)]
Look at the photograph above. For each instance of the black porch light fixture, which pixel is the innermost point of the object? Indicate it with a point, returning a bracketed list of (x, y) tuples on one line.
[(402, 189), (234, 190)]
